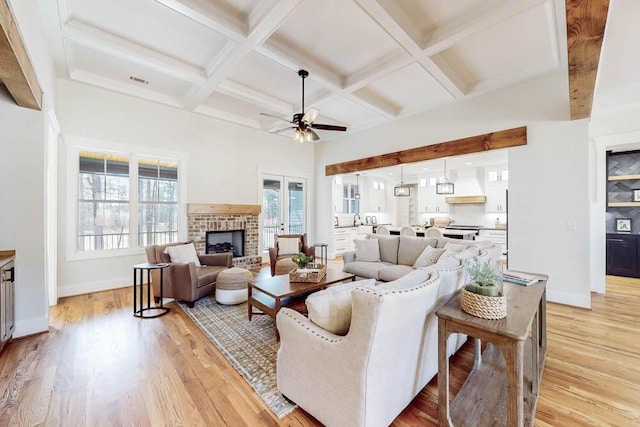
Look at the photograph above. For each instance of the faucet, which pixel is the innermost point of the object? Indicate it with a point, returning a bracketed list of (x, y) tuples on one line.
[(354, 220)]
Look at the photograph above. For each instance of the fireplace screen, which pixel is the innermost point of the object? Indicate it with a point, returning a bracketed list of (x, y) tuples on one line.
[(226, 241)]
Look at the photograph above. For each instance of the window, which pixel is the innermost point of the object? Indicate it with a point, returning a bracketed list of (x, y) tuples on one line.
[(349, 202), (103, 201), (123, 201), (157, 202)]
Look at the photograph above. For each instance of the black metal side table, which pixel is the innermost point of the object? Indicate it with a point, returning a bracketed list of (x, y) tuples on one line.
[(138, 304)]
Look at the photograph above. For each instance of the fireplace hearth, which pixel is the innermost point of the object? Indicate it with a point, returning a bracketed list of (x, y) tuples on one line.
[(225, 241)]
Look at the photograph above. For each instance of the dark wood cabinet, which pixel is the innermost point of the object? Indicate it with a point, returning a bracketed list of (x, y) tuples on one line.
[(623, 256), (7, 304)]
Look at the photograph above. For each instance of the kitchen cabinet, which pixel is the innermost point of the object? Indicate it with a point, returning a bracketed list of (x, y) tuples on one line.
[(623, 255), (7, 293), (375, 195), (496, 184), (343, 239), (429, 201)]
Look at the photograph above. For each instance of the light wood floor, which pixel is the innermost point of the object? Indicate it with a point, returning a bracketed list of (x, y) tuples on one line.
[(99, 365)]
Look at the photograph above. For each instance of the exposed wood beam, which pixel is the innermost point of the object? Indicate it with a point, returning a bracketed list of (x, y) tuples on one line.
[(16, 71), (473, 144), (586, 22)]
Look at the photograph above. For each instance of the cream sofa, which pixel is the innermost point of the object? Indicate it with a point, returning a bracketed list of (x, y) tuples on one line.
[(368, 376), (399, 253)]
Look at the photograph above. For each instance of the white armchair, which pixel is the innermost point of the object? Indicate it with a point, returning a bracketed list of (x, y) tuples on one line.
[(367, 377)]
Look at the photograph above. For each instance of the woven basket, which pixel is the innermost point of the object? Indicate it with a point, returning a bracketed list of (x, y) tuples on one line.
[(318, 273), (493, 308)]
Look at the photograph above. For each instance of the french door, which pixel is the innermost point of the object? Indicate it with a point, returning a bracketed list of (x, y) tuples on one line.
[(284, 207)]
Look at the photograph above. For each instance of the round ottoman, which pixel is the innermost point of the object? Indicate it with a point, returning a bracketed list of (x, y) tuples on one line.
[(284, 266), (231, 286)]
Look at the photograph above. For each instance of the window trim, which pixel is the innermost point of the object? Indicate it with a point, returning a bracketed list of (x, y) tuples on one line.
[(74, 145)]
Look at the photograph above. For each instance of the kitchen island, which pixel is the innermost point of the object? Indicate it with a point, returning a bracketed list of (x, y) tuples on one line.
[(446, 232)]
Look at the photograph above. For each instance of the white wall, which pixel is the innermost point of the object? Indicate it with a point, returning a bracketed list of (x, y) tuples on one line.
[(547, 178), (22, 210), (22, 170), (224, 162)]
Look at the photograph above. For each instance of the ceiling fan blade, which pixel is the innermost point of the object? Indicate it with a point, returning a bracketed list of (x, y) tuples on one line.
[(328, 127), (310, 116), (275, 117), (315, 135), (283, 129)]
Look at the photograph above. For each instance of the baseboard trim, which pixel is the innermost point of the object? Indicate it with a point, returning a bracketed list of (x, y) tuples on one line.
[(95, 286), (567, 298), (31, 326)]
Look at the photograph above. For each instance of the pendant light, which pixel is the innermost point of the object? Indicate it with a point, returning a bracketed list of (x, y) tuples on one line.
[(401, 190), (357, 187), (444, 186)]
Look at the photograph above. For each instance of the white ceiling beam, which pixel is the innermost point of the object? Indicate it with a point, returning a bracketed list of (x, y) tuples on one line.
[(117, 47), (125, 88), (395, 22), (206, 14), (245, 93), (277, 50), (219, 69), (226, 116), (474, 22), (263, 24), (446, 76), (266, 19), (378, 69), (408, 42)]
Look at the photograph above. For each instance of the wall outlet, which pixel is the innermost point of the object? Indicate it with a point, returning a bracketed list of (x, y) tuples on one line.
[(572, 226)]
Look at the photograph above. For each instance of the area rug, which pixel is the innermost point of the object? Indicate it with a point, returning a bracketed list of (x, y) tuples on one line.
[(251, 347)]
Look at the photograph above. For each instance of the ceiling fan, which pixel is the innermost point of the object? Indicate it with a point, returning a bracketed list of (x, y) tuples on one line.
[(303, 122)]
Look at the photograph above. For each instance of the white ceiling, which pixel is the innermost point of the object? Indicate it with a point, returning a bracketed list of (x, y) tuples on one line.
[(370, 61)]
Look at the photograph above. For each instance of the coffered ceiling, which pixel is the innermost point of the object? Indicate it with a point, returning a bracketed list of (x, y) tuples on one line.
[(370, 61)]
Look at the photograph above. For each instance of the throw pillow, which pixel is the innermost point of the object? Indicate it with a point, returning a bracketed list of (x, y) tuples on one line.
[(448, 261), (288, 246), (468, 252), (428, 257), (455, 247), (183, 253), (331, 308), (367, 250)]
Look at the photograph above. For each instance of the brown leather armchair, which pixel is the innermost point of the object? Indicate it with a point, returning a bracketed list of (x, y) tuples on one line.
[(275, 256), (185, 281)]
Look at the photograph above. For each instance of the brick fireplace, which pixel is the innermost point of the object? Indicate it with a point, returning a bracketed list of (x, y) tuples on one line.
[(202, 218)]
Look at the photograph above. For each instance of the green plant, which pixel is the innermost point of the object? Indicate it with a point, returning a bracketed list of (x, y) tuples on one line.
[(484, 276), (302, 260)]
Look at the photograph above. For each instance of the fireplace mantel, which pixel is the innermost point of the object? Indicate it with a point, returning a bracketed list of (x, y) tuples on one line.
[(206, 209)]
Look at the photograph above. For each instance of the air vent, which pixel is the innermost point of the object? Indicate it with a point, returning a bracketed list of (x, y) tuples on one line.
[(139, 80)]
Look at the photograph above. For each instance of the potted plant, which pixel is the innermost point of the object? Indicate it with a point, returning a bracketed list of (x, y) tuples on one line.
[(484, 276), (483, 296), (302, 260)]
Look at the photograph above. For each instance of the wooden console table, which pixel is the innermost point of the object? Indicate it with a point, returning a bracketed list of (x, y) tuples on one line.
[(484, 400)]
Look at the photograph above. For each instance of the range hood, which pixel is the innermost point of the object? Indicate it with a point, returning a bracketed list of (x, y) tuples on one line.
[(468, 188)]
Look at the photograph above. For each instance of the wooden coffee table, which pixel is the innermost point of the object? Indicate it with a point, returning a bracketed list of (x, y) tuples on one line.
[(270, 293)]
